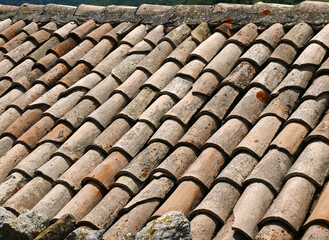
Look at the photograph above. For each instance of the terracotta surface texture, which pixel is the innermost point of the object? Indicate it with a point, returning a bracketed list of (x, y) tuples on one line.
[(117, 115)]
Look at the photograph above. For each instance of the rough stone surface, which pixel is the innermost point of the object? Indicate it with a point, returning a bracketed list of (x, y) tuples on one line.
[(172, 225), (25, 227), (83, 234), (5, 217), (59, 230)]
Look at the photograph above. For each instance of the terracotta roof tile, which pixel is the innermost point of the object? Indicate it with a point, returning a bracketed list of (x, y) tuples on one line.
[(134, 118), (35, 159), (12, 31), (290, 206), (246, 219), (237, 170)]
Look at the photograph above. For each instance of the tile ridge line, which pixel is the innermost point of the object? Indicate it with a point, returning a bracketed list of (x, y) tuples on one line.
[(262, 14)]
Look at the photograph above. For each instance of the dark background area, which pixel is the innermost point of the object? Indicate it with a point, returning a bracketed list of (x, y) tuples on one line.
[(139, 2)]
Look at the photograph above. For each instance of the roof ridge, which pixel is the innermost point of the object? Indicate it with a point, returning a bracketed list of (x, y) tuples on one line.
[(260, 13)]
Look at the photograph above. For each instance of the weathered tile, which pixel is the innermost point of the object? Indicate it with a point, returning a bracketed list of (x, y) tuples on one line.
[(206, 84), (241, 76), (155, 58), (320, 212), (308, 56), (48, 99), (133, 221), (318, 87), (321, 131), (101, 92), (138, 105), (134, 139), (54, 168), (291, 137), (29, 195), (9, 98), (203, 227), (74, 206), (54, 200), (250, 208), (299, 35), (11, 158), (237, 169), (27, 80), (177, 162), (127, 66), (6, 143), (75, 75), (256, 99), (105, 113), (81, 168), (208, 49), (228, 136), (7, 118), (84, 10), (53, 75), (42, 50), (5, 24), (177, 35), (143, 47), (111, 135), (184, 110), (104, 173), (76, 115), (169, 132), (82, 31), (317, 231), (178, 87), (270, 77), (64, 31), (271, 170), (246, 35), (24, 122), (282, 105), (291, 205), (322, 37), (227, 233), (64, 104), (185, 198), (5, 66), (199, 132), (131, 86), (156, 110), (182, 51), (201, 32), (105, 212), (36, 132), (141, 166), (64, 47), (13, 183), (275, 229), (224, 61), (205, 168), (74, 147), (323, 68), (162, 76), (76, 53), (12, 31), (22, 50), (57, 135), (284, 53), (297, 78), (311, 163), (192, 69), (220, 103), (271, 35), (309, 112), (219, 202), (85, 83), (257, 54), (259, 137), (36, 159)]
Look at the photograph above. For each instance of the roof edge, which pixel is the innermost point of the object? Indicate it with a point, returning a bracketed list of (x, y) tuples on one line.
[(265, 14)]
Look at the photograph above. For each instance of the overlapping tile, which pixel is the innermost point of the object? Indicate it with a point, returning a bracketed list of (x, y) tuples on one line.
[(119, 122)]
